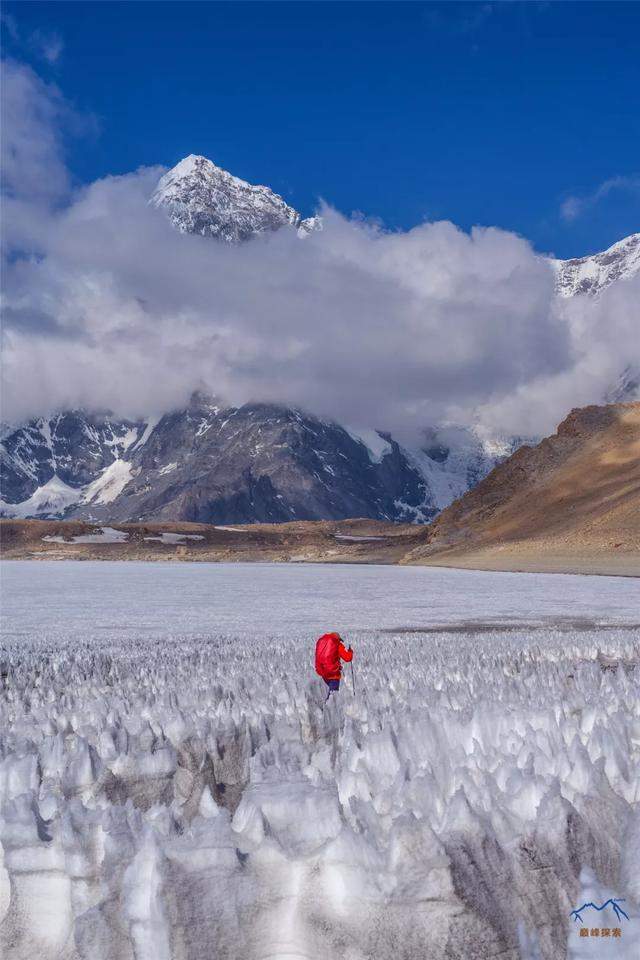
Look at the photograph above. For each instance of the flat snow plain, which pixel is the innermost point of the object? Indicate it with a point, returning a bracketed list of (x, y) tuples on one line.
[(171, 785)]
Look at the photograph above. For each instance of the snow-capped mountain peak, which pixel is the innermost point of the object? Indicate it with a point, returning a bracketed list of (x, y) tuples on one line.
[(200, 197), (593, 274)]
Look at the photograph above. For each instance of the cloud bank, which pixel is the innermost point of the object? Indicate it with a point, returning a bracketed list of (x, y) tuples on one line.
[(108, 307)]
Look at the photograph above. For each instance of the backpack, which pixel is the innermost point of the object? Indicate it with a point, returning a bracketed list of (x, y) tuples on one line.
[(327, 658)]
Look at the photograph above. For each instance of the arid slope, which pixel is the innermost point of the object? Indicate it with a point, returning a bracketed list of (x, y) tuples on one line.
[(572, 503), (346, 541)]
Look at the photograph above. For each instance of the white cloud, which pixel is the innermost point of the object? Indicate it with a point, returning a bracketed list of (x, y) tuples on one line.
[(391, 330), (9, 22), (604, 341), (47, 44), (573, 207), (33, 114)]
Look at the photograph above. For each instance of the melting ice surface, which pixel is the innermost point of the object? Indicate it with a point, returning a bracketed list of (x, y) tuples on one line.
[(171, 785)]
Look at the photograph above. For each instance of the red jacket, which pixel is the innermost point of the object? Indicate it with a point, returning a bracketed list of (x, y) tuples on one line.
[(329, 652)]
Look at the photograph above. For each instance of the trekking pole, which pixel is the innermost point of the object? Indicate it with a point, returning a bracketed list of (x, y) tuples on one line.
[(353, 679)]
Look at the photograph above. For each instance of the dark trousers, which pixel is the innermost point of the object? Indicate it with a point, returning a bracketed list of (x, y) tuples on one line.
[(334, 685)]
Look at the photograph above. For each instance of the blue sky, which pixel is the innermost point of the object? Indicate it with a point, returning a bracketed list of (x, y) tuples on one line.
[(524, 116)]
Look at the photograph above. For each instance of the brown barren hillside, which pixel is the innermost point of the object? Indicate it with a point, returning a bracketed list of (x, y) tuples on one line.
[(571, 503), (345, 541)]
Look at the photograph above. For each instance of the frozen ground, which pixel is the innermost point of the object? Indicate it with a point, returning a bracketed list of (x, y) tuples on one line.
[(92, 599), (171, 786)]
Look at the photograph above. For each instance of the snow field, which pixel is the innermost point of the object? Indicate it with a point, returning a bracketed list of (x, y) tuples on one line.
[(193, 798)]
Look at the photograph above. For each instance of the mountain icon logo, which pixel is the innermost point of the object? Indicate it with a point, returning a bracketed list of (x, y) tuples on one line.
[(612, 902)]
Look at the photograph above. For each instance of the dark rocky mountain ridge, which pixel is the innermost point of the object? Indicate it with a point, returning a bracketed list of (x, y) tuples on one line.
[(211, 464)]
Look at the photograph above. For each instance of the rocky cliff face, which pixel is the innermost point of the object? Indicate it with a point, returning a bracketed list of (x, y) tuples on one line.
[(262, 463), (55, 458), (213, 464)]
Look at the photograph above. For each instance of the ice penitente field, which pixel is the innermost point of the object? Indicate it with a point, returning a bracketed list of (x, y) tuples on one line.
[(172, 787)]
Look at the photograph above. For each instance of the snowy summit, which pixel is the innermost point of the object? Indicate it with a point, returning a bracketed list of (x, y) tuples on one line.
[(594, 274), (202, 198)]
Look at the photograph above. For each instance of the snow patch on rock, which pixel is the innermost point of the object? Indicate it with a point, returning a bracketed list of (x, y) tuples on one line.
[(377, 446), (175, 538), (102, 535), (110, 484), (50, 500)]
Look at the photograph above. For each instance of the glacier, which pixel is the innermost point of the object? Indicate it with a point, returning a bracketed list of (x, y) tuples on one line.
[(171, 785)]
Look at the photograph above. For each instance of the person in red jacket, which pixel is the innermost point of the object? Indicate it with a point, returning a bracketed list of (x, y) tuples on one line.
[(330, 650)]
